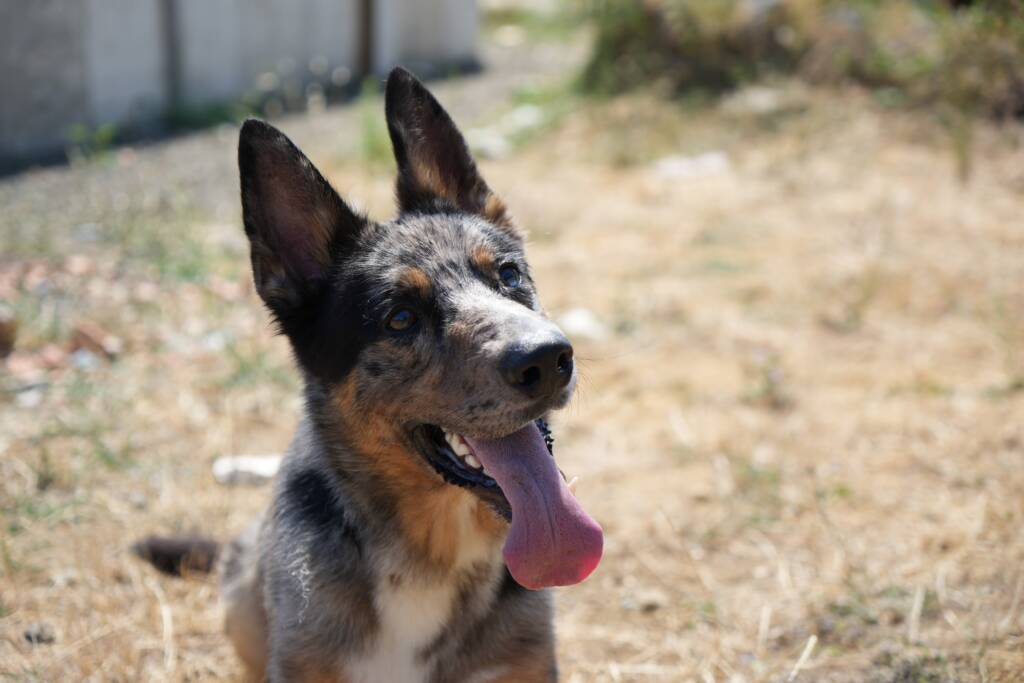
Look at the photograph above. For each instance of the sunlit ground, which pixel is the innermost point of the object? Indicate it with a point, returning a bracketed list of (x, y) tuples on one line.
[(799, 420)]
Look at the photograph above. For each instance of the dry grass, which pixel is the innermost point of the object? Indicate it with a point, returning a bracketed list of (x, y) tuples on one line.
[(802, 436)]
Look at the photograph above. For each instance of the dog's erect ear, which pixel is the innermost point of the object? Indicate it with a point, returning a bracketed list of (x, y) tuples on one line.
[(296, 223), (435, 168)]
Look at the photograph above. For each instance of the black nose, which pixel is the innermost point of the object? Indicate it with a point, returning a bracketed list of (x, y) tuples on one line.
[(540, 369)]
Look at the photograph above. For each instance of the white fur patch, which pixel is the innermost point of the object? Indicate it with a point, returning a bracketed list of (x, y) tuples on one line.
[(487, 675), (410, 617), (414, 612)]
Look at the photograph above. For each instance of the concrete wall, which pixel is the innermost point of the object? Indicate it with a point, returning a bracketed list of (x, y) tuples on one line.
[(42, 74), (227, 45), (124, 60), (412, 32), (91, 62)]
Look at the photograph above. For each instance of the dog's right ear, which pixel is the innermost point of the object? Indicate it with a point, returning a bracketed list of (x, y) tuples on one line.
[(296, 223)]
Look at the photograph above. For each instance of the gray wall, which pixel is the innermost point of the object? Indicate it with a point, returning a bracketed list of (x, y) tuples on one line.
[(414, 32), (227, 45), (92, 62), (124, 59), (42, 75)]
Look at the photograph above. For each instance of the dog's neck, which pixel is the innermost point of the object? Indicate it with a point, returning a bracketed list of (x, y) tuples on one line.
[(378, 471)]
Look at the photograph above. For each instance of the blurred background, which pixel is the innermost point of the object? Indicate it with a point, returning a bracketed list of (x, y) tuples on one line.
[(785, 236)]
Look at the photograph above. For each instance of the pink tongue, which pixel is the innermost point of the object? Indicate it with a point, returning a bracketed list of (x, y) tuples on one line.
[(552, 541)]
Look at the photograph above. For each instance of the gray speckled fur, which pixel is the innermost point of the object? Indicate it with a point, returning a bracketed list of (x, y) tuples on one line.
[(300, 587), (316, 586)]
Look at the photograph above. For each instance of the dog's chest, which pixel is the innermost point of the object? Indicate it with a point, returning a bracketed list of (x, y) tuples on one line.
[(410, 618), (412, 613)]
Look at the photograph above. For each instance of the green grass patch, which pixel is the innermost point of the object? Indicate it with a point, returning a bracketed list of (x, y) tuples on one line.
[(113, 458), (35, 508), (533, 26), (251, 367), (197, 117), (374, 141)]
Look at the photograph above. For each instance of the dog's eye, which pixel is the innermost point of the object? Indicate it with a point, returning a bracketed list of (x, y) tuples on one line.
[(401, 320), (510, 276)]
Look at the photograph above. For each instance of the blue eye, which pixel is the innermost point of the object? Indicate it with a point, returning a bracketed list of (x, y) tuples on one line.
[(401, 320), (510, 276)]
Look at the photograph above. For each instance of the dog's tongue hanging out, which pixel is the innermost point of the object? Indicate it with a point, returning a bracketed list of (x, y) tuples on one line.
[(552, 541)]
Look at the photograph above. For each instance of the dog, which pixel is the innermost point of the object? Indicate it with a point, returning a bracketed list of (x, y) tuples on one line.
[(419, 517)]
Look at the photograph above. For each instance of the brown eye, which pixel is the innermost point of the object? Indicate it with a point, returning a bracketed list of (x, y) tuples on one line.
[(510, 276), (402, 320)]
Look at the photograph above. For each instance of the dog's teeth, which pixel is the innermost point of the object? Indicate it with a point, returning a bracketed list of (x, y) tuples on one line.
[(461, 448), (572, 485), (473, 462)]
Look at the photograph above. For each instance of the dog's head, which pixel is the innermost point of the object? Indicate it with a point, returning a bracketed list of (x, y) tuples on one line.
[(425, 332)]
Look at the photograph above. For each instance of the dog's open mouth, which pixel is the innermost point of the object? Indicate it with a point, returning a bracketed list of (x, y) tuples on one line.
[(551, 540), (453, 458)]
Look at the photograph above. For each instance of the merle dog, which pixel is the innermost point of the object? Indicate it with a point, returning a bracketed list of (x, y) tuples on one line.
[(419, 515)]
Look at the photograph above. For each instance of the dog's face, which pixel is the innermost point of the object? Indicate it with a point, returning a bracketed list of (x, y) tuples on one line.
[(423, 329)]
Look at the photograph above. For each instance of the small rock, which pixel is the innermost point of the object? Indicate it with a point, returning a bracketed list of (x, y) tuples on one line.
[(651, 600), (680, 167), (522, 118), (146, 292), (83, 359), (581, 323), (31, 368), (91, 337), (756, 100), (23, 365), (510, 35), (52, 357), (40, 633), (246, 469), (228, 290), (759, 100), (494, 142), (8, 330), (65, 578), (36, 277), (79, 265), (216, 341), (487, 143), (29, 398), (645, 601)]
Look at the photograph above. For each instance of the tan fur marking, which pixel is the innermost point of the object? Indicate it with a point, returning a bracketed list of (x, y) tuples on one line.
[(496, 211), (322, 230), (489, 521), (344, 397), (416, 279), (428, 180), (312, 673), (483, 258), (533, 670), (430, 512), (460, 332), (432, 525)]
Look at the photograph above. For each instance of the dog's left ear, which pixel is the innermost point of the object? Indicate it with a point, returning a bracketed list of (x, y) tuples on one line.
[(435, 168)]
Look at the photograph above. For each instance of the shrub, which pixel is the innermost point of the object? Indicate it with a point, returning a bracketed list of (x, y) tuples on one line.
[(967, 55)]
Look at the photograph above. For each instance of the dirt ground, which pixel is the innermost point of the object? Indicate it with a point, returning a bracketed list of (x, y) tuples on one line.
[(800, 419)]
